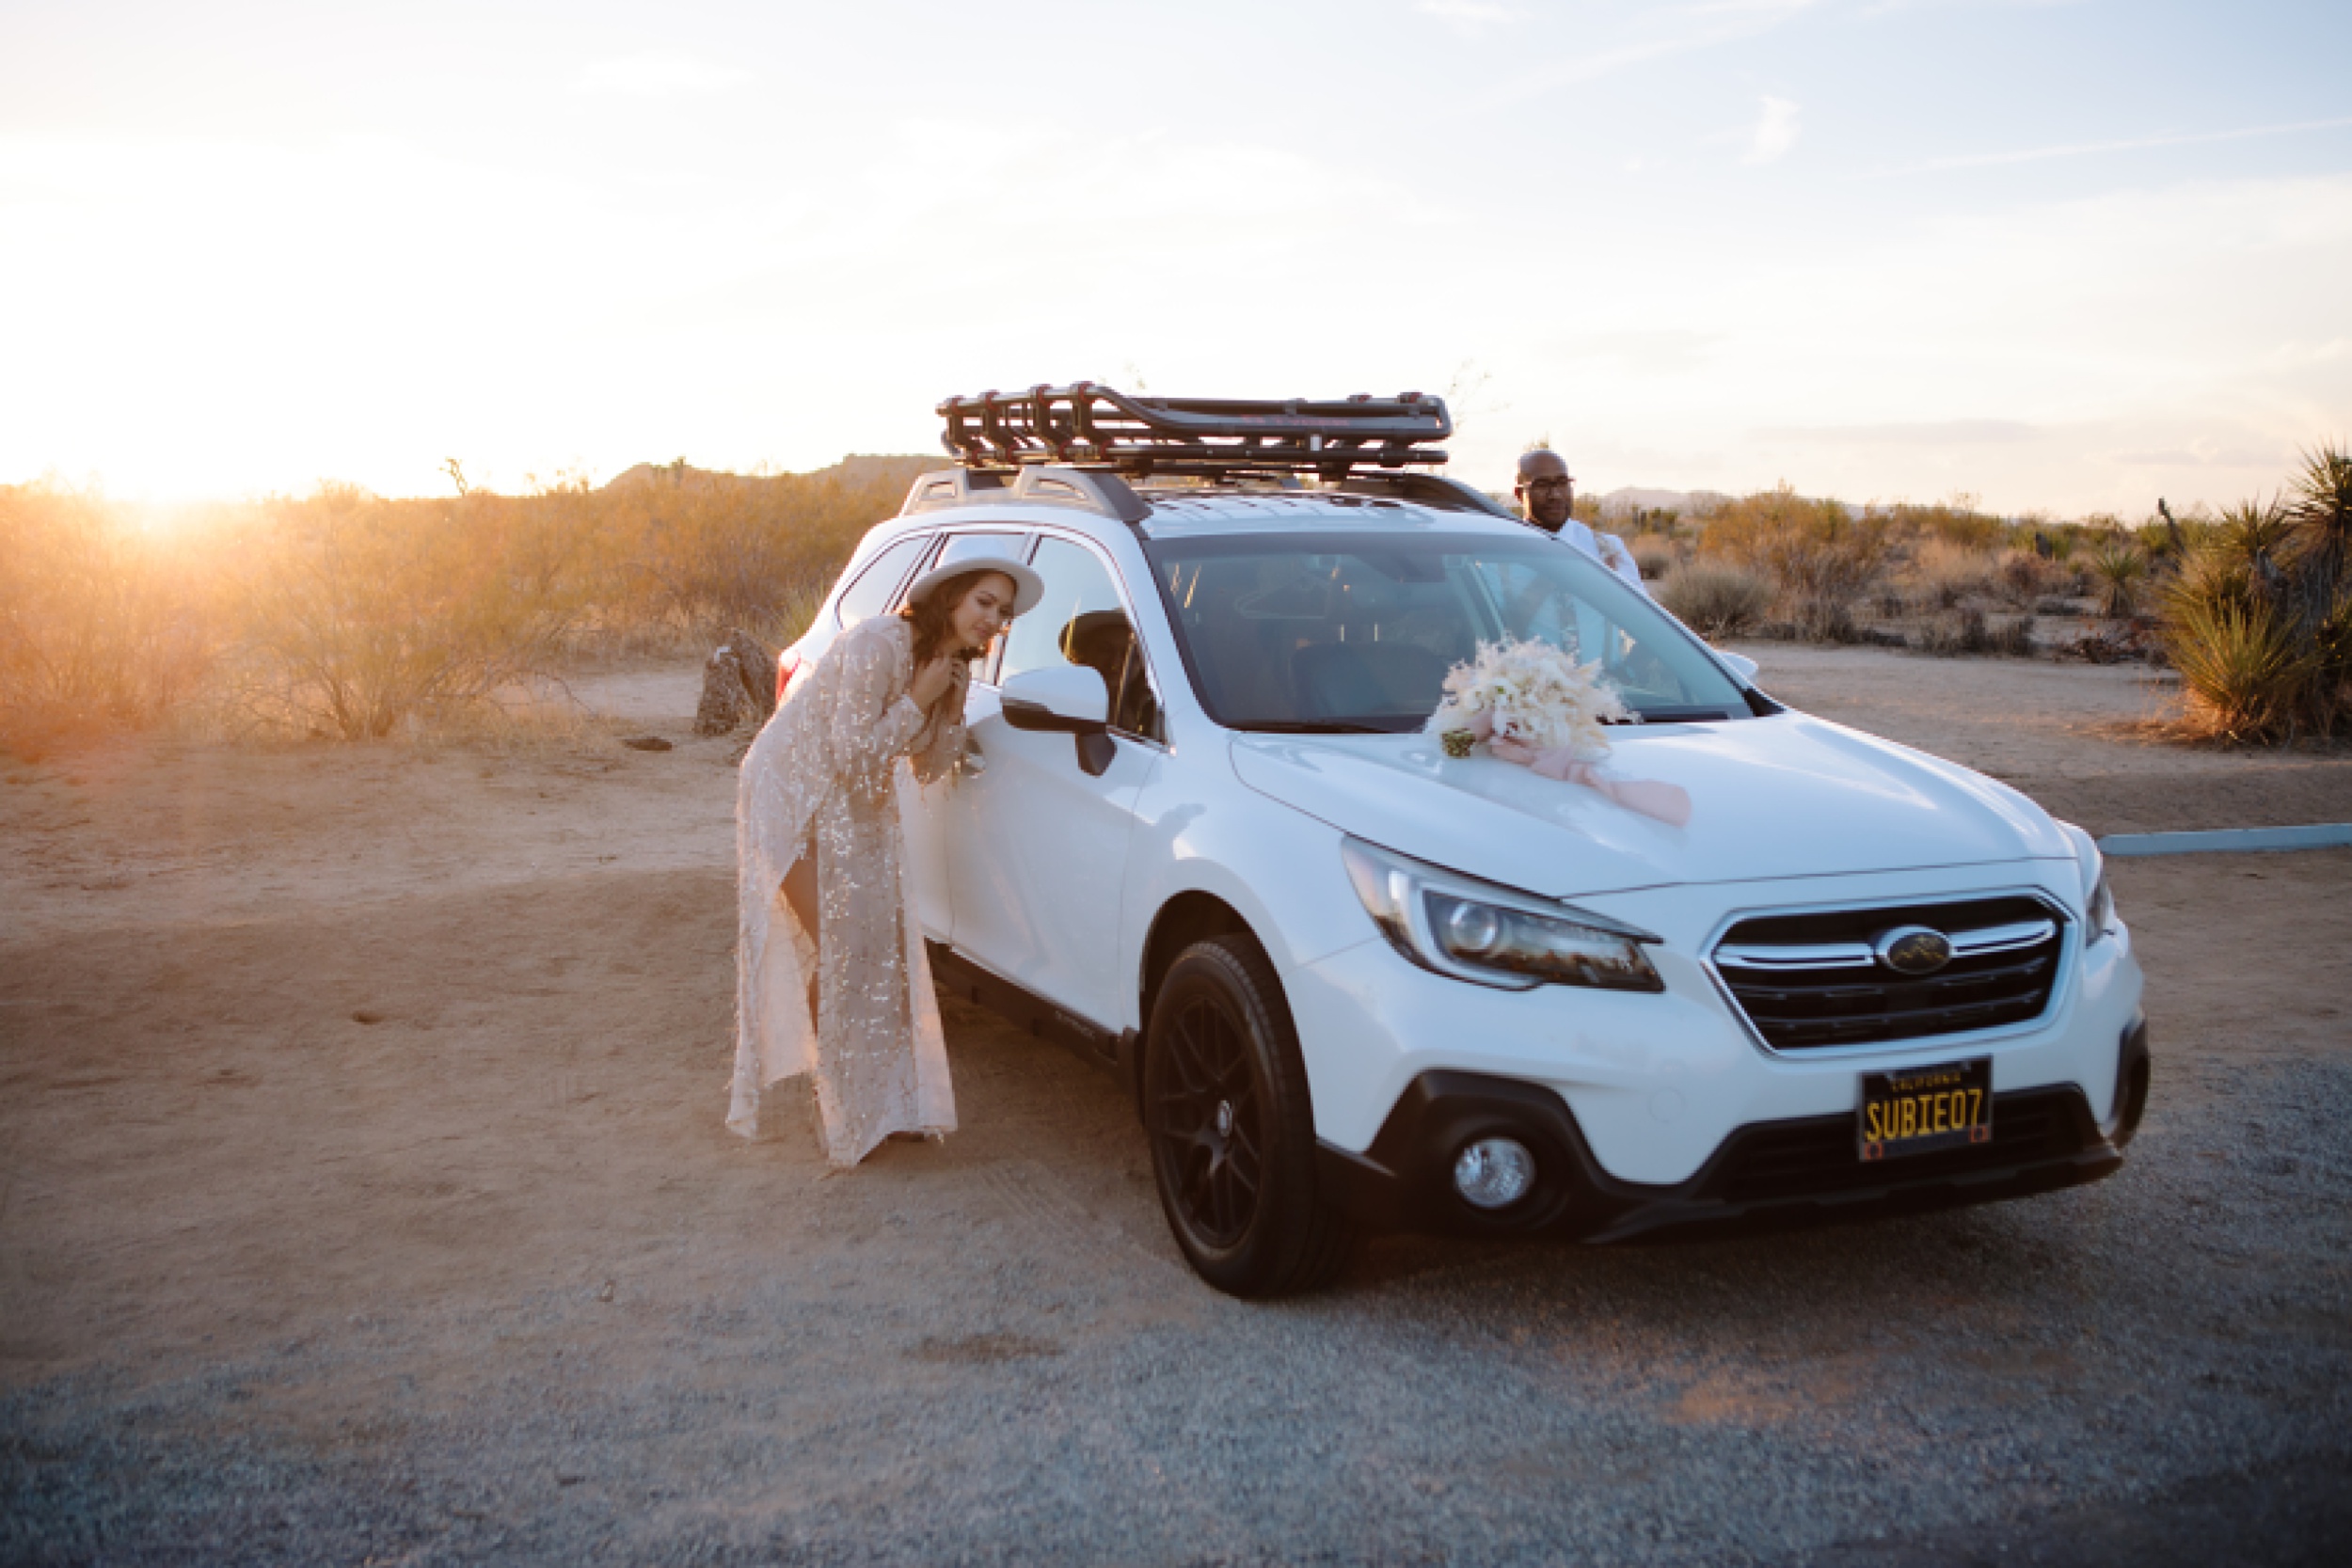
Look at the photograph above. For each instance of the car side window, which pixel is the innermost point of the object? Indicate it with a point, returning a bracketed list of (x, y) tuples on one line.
[(875, 587), (970, 546), (1083, 619), (964, 547)]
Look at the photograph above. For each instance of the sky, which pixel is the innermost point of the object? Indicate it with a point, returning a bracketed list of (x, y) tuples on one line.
[(2065, 255)]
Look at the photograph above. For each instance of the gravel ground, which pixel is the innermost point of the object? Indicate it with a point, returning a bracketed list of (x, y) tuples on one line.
[(898, 1382), (480, 1278)]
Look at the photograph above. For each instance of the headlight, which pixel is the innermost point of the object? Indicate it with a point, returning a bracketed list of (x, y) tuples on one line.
[(2098, 897), (1494, 936)]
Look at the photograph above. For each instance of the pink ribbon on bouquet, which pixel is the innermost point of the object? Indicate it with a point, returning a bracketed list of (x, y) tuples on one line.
[(1669, 803)]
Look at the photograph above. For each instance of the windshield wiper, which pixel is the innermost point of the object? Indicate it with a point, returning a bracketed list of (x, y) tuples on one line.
[(1311, 726), (1677, 715)]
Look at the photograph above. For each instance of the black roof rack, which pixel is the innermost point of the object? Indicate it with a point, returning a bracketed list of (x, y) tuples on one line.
[(1084, 425)]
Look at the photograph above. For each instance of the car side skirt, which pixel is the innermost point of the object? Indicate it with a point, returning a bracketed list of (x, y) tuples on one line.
[(958, 976)]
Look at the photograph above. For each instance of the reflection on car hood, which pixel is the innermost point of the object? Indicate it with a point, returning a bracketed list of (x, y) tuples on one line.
[(1788, 795)]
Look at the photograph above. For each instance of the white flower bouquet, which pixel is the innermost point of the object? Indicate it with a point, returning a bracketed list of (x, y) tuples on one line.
[(1529, 697), (1529, 703)]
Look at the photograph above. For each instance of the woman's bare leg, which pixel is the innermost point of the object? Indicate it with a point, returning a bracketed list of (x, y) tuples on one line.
[(800, 894)]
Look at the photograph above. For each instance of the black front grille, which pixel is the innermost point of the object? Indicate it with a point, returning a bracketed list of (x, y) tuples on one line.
[(1817, 1157), (1807, 1008)]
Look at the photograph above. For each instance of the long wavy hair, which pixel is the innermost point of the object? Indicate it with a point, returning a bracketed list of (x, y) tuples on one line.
[(930, 618)]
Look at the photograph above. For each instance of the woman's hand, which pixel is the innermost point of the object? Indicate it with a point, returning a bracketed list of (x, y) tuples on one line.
[(933, 681)]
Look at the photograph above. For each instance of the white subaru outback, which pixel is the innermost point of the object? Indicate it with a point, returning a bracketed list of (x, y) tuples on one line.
[(1354, 984)]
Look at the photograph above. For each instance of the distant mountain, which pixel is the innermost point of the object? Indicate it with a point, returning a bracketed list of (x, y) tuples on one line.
[(1632, 498), (858, 470)]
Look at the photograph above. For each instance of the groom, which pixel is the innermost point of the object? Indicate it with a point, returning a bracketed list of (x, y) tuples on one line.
[(1547, 495)]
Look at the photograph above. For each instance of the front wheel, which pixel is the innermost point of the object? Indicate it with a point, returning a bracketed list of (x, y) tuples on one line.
[(1232, 1126)]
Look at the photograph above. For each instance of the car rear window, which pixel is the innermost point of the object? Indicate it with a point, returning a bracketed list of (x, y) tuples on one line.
[(872, 590)]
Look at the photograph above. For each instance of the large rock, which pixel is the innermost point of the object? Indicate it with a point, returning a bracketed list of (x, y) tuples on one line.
[(738, 684)]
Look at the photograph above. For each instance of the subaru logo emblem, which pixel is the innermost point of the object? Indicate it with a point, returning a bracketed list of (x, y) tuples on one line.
[(1914, 950)]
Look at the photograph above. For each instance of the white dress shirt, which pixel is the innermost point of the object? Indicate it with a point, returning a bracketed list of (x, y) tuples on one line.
[(1607, 548)]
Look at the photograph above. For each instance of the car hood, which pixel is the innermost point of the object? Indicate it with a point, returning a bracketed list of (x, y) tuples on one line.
[(1785, 796)]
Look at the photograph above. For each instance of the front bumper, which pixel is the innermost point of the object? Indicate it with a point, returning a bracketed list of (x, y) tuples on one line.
[(1795, 1172), (1657, 1082)]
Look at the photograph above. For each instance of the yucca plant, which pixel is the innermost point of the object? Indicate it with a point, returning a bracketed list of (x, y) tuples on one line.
[(2330, 701), (2318, 516), (2247, 673), (2121, 569), (2319, 512), (2254, 534)]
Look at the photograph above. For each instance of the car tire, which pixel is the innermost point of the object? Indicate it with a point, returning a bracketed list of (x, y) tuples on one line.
[(1232, 1126)]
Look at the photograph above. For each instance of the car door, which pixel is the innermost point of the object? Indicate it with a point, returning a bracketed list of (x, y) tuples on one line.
[(1038, 846)]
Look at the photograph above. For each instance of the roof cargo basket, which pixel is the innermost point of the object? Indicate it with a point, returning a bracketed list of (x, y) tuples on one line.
[(1084, 425)]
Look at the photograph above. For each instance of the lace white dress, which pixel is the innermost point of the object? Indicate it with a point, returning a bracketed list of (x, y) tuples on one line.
[(824, 779)]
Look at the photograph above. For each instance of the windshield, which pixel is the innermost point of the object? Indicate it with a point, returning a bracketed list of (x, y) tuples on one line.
[(1340, 632)]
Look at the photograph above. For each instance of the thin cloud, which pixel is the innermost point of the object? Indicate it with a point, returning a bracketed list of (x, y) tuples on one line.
[(1969, 432), (1772, 9), (2203, 452), (1775, 132), (1888, 7), (1663, 351), (658, 75), (1470, 18), (2084, 149), (1687, 29)]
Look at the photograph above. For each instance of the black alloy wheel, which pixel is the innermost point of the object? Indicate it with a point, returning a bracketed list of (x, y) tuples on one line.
[(1233, 1128)]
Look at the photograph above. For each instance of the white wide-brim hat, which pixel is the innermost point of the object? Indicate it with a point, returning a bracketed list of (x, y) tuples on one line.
[(1027, 587)]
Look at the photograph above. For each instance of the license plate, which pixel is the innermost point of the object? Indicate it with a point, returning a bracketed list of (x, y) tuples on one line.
[(1925, 1108)]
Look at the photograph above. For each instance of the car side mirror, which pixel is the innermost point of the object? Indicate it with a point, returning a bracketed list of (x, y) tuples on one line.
[(1739, 664), (1069, 698)]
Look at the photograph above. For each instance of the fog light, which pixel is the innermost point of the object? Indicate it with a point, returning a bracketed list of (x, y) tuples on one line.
[(1494, 1173)]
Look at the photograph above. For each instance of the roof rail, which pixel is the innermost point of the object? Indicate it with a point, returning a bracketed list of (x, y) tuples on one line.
[(1087, 426), (1435, 490), (1096, 492)]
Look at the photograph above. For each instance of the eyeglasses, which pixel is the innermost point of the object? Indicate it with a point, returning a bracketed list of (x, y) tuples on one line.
[(1558, 482)]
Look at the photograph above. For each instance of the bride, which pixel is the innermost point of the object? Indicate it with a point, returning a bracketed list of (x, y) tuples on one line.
[(831, 979)]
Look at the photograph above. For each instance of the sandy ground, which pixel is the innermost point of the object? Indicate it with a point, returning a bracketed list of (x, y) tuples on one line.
[(363, 1194)]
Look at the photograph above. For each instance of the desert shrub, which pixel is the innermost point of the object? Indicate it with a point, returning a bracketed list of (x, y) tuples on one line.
[(367, 612), (1715, 598), (346, 613), (1968, 630), (796, 604), (2120, 569), (2244, 674), (2259, 618), (1957, 631), (1942, 574), (701, 552), (2319, 508), (2021, 576), (1660, 521), (2240, 548), (103, 622), (1955, 522), (1823, 557), (1653, 555)]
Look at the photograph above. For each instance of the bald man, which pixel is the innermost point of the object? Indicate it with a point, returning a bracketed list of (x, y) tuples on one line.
[(1547, 495)]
